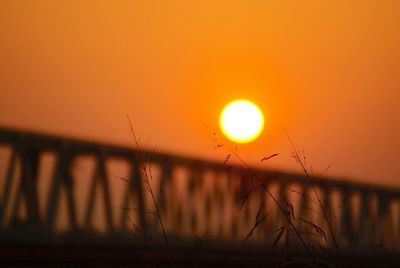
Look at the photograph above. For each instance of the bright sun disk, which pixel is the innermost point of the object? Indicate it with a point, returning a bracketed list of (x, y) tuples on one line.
[(242, 121)]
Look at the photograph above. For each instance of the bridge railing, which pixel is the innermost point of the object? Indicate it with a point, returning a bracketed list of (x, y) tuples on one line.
[(54, 186)]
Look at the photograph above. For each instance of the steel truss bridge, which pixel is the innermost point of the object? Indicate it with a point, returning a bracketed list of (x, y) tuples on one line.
[(68, 193)]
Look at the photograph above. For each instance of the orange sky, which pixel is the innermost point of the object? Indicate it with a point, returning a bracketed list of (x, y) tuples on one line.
[(326, 73)]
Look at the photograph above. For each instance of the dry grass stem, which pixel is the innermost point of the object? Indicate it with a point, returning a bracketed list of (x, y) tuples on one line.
[(147, 178)]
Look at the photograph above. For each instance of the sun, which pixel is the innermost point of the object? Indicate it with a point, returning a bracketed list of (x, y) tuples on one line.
[(241, 121)]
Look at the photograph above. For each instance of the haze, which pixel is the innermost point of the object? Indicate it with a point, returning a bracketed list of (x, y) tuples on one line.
[(326, 73)]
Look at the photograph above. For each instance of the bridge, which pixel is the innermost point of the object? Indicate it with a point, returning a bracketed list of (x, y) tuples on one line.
[(65, 199)]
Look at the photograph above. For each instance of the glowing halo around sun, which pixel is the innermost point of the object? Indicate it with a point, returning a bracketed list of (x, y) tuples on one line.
[(241, 121)]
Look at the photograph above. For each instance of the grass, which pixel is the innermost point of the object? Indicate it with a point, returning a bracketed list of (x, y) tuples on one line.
[(300, 229), (147, 178), (287, 210), (301, 160)]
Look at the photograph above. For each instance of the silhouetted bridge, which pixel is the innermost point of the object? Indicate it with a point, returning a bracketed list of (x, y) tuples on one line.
[(67, 193)]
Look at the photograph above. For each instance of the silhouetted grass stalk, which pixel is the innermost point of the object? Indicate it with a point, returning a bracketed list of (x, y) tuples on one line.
[(147, 176), (297, 157), (287, 215)]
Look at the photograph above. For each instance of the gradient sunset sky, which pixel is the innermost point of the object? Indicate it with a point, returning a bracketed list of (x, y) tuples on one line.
[(325, 72)]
